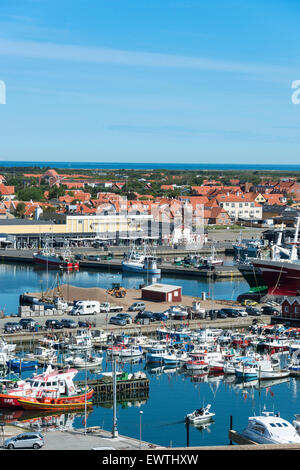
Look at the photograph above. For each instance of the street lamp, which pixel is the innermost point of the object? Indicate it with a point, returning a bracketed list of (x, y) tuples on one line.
[(141, 429)]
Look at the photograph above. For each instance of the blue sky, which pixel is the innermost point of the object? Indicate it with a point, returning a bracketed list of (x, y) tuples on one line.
[(150, 80)]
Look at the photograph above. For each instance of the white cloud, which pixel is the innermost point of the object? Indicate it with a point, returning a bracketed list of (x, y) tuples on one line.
[(75, 53)]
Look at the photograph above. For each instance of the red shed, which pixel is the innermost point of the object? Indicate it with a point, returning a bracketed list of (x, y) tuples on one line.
[(162, 293)]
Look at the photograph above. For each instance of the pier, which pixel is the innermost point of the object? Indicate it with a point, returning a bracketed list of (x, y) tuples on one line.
[(115, 264), (126, 389)]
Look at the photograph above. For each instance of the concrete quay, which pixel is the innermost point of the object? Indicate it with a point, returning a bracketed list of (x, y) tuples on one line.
[(115, 264), (78, 439)]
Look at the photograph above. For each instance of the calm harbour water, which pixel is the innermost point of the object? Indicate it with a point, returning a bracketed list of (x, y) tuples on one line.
[(172, 394)]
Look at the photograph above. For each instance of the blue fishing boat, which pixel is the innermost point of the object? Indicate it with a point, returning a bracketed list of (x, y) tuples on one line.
[(20, 364)]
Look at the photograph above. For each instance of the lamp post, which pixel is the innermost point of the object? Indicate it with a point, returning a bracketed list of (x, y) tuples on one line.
[(115, 430), (141, 429)]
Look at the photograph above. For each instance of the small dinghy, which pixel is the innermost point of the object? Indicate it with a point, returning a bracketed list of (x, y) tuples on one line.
[(200, 415)]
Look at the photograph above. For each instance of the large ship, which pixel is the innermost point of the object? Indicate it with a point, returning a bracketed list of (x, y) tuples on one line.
[(281, 276), (51, 259), (252, 273)]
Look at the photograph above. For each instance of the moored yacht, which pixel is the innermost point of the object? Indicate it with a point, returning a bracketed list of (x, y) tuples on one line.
[(270, 429)]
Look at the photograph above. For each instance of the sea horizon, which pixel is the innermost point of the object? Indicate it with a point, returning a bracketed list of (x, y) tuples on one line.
[(151, 166)]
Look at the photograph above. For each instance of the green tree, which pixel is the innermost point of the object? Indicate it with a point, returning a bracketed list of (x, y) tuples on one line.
[(20, 210), (32, 193)]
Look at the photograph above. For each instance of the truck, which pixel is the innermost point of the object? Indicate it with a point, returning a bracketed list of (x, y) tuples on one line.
[(108, 307), (85, 307)]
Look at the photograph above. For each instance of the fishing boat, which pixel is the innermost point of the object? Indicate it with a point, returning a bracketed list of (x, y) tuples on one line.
[(42, 353), (197, 362), (294, 364), (53, 404), (40, 385), (131, 351), (200, 415), (48, 257), (90, 362), (270, 428), (19, 364), (255, 369), (140, 263), (156, 354), (282, 276), (274, 374)]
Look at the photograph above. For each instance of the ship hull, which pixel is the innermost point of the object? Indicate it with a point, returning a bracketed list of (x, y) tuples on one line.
[(281, 277), (54, 263), (136, 268)]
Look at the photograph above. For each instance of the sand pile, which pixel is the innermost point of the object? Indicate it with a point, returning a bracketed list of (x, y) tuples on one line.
[(71, 293)]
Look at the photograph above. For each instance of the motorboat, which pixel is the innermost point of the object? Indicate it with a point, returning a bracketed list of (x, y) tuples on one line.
[(90, 362), (270, 428), (42, 353), (157, 354), (81, 341), (200, 415), (6, 347), (294, 364), (197, 362), (131, 351), (274, 374)]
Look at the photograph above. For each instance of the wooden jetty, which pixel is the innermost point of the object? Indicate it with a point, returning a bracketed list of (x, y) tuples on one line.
[(136, 388)]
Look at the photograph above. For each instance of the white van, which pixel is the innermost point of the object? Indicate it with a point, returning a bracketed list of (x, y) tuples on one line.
[(86, 307)]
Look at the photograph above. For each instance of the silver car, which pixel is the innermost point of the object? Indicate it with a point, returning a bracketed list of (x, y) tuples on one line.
[(25, 440)]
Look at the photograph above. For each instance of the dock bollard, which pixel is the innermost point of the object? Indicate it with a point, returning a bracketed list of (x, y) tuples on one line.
[(187, 425)]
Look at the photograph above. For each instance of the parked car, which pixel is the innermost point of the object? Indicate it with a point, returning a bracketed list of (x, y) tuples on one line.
[(93, 258), (117, 321), (56, 324), (146, 314), (242, 312), (161, 316), (27, 323), (33, 440), (253, 311), (221, 314), (268, 310), (12, 326), (137, 306), (125, 316), (230, 312), (68, 323), (212, 314)]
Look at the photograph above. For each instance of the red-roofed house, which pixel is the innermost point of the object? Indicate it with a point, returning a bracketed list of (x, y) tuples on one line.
[(240, 206), (8, 192)]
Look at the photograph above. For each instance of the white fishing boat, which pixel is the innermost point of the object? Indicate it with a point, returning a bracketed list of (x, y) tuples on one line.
[(294, 364), (42, 353), (197, 362), (200, 415), (131, 351), (90, 362), (270, 428), (274, 374)]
